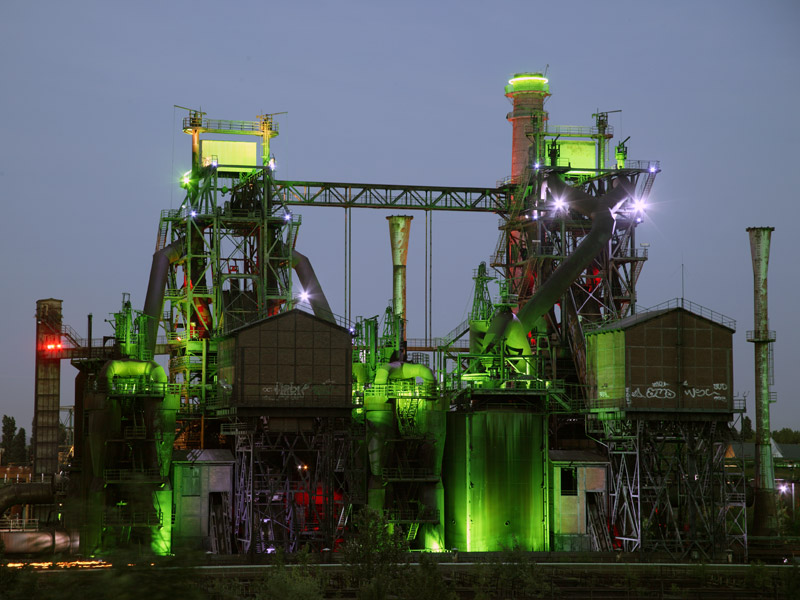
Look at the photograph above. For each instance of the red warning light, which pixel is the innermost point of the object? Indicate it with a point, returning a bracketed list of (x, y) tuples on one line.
[(53, 346)]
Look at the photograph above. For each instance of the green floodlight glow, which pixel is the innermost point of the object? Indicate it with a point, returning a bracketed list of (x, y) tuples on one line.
[(186, 179), (528, 82), (515, 80)]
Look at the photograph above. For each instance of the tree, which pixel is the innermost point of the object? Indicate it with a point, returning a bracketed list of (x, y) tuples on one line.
[(786, 436), (6, 443), (747, 433), (19, 449), (376, 554)]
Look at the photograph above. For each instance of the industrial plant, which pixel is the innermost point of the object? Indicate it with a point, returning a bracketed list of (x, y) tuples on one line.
[(236, 412)]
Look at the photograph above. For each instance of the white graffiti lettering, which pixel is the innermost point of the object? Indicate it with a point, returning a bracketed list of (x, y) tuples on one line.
[(659, 393), (285, 390)]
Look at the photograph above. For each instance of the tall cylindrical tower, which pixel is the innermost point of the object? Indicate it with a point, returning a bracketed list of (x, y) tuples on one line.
[(527, 91), (399, 231), (765, 521), (47, 395)]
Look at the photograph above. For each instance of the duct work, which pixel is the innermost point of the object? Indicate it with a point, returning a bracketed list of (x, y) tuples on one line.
[(26, 493), (39, 542), (308, 279), (155, 288), (601, 211)]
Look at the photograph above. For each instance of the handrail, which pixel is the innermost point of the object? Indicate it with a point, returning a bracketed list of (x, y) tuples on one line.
[(402, 389), (709, 314), (16, 524)]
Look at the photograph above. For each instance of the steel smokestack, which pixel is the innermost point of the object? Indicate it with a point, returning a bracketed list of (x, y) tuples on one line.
[(765, 521), (399, 231), (527, 92)]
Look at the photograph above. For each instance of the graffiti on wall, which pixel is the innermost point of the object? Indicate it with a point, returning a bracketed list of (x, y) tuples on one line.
[(661, 390)]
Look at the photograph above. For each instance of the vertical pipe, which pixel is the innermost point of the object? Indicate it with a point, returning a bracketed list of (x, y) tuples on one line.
[(427, 330), (399, 231), (430, 275), (765, 521)]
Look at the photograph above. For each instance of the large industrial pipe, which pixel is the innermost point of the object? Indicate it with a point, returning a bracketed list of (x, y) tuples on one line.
[(308, 279), (399, 231), (26, 493), (765, 522), (50, 541), (154, 301), (601, 211)]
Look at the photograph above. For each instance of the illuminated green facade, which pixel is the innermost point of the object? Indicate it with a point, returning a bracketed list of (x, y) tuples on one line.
[(496, 481)]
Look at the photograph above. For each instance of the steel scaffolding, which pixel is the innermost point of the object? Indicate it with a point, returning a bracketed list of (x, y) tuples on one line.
[(292, 486), (671, 488)]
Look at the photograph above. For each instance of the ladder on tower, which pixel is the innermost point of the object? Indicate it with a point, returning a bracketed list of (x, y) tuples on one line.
[(647, 186), (161, 240), (413, 528), (407, 414), (344, 516)]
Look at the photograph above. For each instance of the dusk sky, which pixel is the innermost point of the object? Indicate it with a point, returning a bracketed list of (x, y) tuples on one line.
[(399, 93)]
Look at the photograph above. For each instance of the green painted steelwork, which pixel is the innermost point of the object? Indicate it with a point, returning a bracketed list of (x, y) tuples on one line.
[(365, 195), (605, 364), (496, 475)]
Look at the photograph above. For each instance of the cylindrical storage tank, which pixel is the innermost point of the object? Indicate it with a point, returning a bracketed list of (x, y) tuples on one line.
[(527, 91), (495, 479)]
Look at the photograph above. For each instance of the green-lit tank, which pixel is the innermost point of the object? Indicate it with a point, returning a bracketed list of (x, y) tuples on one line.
[(496, 485)]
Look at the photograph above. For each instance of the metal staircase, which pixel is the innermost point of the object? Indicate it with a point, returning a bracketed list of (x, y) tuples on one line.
[(163, 228)]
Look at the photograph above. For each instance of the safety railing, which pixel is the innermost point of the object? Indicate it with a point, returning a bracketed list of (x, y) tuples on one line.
[(761, 335), (408, 474), (15, 524), (135, 432), (630, 254), (412, 515), (401, 389), (651, 166), (182, 292), (132, 475), (709, 314), (127, 518), (131, 386), (577, 130), (436, 343), (221, 125), (11, 479)]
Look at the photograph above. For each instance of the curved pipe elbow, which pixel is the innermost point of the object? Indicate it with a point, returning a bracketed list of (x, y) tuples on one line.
[(398, 370), (26, 493), (154, 300)]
